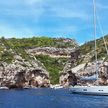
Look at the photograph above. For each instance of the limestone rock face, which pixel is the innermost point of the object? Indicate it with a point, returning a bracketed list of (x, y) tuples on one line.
[(62, 48), (21, 73), (51, 51), (67, 79), (73, 60), (87, 73), (67, 76)]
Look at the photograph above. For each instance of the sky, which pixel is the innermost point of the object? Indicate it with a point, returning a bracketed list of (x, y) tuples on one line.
[(53, 18)]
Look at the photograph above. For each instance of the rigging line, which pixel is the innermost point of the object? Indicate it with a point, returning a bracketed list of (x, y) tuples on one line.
[(95, 26), (102, 33)]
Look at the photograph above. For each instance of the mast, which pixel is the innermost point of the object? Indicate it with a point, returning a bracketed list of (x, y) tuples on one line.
[(95, 26)]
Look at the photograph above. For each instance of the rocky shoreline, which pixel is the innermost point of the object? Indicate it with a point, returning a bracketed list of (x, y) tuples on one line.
[(86, 75), (23, 74), (19, 67)]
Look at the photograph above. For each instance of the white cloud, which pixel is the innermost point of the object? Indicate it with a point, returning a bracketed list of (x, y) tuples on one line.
[(62, 8), (21, 17), (32, 2), (31, 9), (68, 9), (67, 13), (34, 9)]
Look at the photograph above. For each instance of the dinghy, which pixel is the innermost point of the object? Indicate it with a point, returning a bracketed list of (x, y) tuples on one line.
[(4, 88)]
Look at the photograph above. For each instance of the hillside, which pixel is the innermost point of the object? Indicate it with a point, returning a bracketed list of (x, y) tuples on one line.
[(82, 65), (28, 43), (85, 53), (88, 48), (59, 48)]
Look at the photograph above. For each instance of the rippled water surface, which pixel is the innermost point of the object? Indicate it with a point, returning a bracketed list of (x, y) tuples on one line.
[(49, 98)]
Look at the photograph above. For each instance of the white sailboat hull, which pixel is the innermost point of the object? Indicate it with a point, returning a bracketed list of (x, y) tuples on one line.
[(92, 90)]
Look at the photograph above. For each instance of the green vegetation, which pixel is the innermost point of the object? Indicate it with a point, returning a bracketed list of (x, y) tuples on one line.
[(14, 46), (18, 46), (8, 49), (40, 42), (53, 65), (89, 47), (6, 57)]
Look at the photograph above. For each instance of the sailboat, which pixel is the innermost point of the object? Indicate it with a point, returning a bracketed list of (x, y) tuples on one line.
[(96, 89)]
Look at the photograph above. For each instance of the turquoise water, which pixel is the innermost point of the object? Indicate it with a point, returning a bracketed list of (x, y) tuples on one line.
[(49, 98)]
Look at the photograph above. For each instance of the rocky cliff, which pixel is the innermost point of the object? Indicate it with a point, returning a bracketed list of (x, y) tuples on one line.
[(83, 66), (85, 74), (51, 51), (20, 64), (21, 73)]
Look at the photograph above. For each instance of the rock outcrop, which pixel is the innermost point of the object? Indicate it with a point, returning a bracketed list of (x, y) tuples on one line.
[(86, 73), (67, 79), (67, 76), (22, 73), (20, 68), (51, 51)]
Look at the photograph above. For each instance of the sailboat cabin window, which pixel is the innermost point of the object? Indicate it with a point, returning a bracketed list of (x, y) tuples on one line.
[(100, 90), (84, 89)]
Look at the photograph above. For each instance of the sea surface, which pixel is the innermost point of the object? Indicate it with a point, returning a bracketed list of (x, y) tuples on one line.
[(49, 98)]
